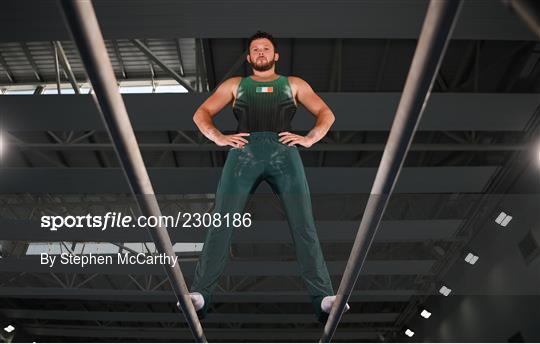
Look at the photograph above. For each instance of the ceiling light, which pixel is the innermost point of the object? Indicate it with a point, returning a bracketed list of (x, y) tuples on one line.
[(445, 291), (409, 333), (425, 314), (503, 219), (471, 258), (9, 328)]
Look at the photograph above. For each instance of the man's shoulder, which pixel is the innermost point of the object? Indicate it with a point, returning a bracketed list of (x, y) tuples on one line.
[(297, 83), (231, 83), (233, 80), (296, 80)]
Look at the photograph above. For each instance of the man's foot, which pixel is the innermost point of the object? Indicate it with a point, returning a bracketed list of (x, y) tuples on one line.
[(327, 303), (197, 299)]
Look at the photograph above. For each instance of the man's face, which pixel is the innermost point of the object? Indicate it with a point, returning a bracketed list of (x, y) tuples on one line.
[(262, 55)]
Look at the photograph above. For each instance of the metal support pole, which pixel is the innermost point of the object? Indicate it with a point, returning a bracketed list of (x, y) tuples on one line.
[(119, 58), (7, 71), (84, 27), (56, 68), (529, 12), (180, 62), (144, 49), (434, 37), (30, 59), (67, 67)]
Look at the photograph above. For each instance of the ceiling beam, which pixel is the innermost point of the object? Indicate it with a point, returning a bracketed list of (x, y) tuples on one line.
[(7, 70), (246, 318), (371, 19), (199, 180), (30, 59), (154, 58), (215, 335), (119, 58), (161, 296), (353, 111), (208, 60), (67, 67)]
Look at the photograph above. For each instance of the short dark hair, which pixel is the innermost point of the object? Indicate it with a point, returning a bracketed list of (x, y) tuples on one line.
[(262, 34)]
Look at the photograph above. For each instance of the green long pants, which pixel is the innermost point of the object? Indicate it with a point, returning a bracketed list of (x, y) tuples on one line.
[(280, 165)]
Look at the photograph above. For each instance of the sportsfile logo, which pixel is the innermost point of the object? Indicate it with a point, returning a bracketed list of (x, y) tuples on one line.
[(117, 220), (110, 219)]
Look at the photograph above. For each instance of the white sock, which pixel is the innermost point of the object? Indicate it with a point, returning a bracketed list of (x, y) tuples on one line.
[(327, 303), (197, 299)]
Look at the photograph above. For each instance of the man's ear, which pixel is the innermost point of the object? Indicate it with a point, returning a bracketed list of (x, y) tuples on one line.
[(276, 56), (248, 58)]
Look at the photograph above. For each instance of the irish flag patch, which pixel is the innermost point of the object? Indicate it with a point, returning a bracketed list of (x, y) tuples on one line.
[(265, 89)]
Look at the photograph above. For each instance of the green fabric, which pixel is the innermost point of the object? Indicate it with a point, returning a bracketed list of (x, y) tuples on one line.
[(280, 165), (258, 109)]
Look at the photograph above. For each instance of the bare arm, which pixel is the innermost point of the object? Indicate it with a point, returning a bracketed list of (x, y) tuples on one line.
[(217, 101), (315, 105)]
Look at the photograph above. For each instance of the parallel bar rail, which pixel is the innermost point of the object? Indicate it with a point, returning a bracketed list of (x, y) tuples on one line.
[(436, 31), (529, 12), (83, 24)]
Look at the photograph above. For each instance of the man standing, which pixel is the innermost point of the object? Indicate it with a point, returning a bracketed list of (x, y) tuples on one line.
[(264, 148)]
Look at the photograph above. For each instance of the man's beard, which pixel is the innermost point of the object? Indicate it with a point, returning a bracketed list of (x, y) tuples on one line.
[(263, 67)]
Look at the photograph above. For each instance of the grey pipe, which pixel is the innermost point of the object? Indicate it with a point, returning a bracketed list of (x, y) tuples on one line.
[(434, 37), (84, 27), (529, 12)]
